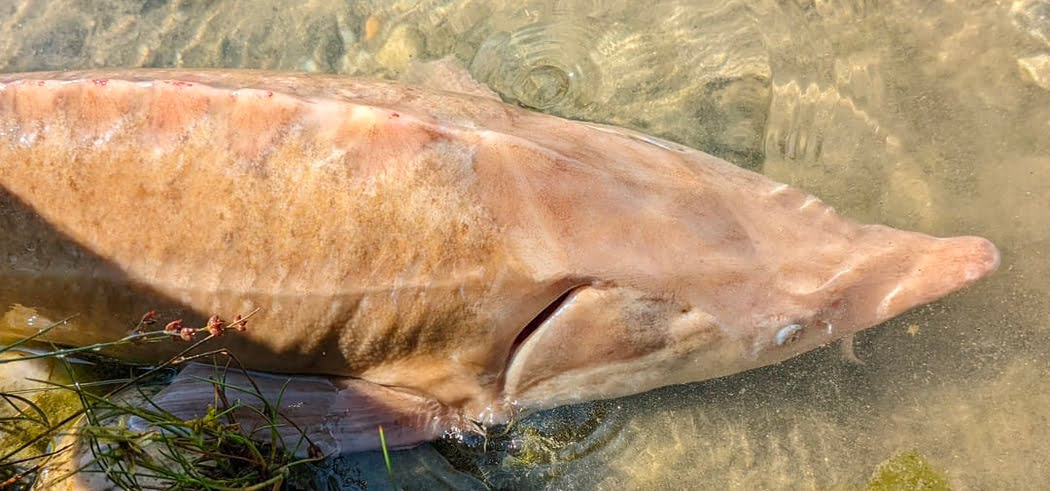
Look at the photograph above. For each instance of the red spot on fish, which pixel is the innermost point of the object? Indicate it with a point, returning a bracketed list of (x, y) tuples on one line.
[(100, 81), (179, 83), (39, 83), (395, 115), (269, 93)]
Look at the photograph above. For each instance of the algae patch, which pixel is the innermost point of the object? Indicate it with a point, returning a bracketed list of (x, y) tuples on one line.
[(28, 407), (908, 470)]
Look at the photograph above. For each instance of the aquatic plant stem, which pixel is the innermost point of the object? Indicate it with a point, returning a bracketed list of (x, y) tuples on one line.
[(170, 362)]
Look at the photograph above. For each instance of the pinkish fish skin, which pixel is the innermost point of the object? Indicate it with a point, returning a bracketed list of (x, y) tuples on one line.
[(435, 258)]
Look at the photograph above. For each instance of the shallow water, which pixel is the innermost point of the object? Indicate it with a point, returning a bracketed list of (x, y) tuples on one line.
[(922, 115)]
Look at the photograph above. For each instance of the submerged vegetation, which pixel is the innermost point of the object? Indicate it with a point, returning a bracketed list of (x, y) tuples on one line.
[(910, 471), (65, 427)]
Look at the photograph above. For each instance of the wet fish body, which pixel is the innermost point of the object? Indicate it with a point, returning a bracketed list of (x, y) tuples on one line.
[(429, 258)]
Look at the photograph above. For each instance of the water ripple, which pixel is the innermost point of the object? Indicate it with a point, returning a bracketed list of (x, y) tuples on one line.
[(543, 65)]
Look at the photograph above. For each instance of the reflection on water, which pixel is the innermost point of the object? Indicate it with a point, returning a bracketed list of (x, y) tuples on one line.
[(916, 114)]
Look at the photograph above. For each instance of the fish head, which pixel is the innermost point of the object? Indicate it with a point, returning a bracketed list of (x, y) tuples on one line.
[(708, 274), (604, 340)]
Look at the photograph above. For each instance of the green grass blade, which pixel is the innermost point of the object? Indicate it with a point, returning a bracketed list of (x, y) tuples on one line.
[(386, 457)]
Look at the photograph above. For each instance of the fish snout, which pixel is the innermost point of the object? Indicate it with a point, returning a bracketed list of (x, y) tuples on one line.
[(982, 258), (932, 268)]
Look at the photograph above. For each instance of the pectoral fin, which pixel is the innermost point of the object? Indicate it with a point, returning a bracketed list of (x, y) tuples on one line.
[(335, 415)]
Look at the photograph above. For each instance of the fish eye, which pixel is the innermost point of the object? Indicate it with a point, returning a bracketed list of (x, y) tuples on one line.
[(788, 334)]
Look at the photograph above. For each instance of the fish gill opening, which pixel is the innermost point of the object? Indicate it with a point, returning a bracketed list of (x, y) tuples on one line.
[(533, 325)]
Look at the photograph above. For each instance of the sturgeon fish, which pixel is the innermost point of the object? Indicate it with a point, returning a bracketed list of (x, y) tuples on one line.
[(426, 260)]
